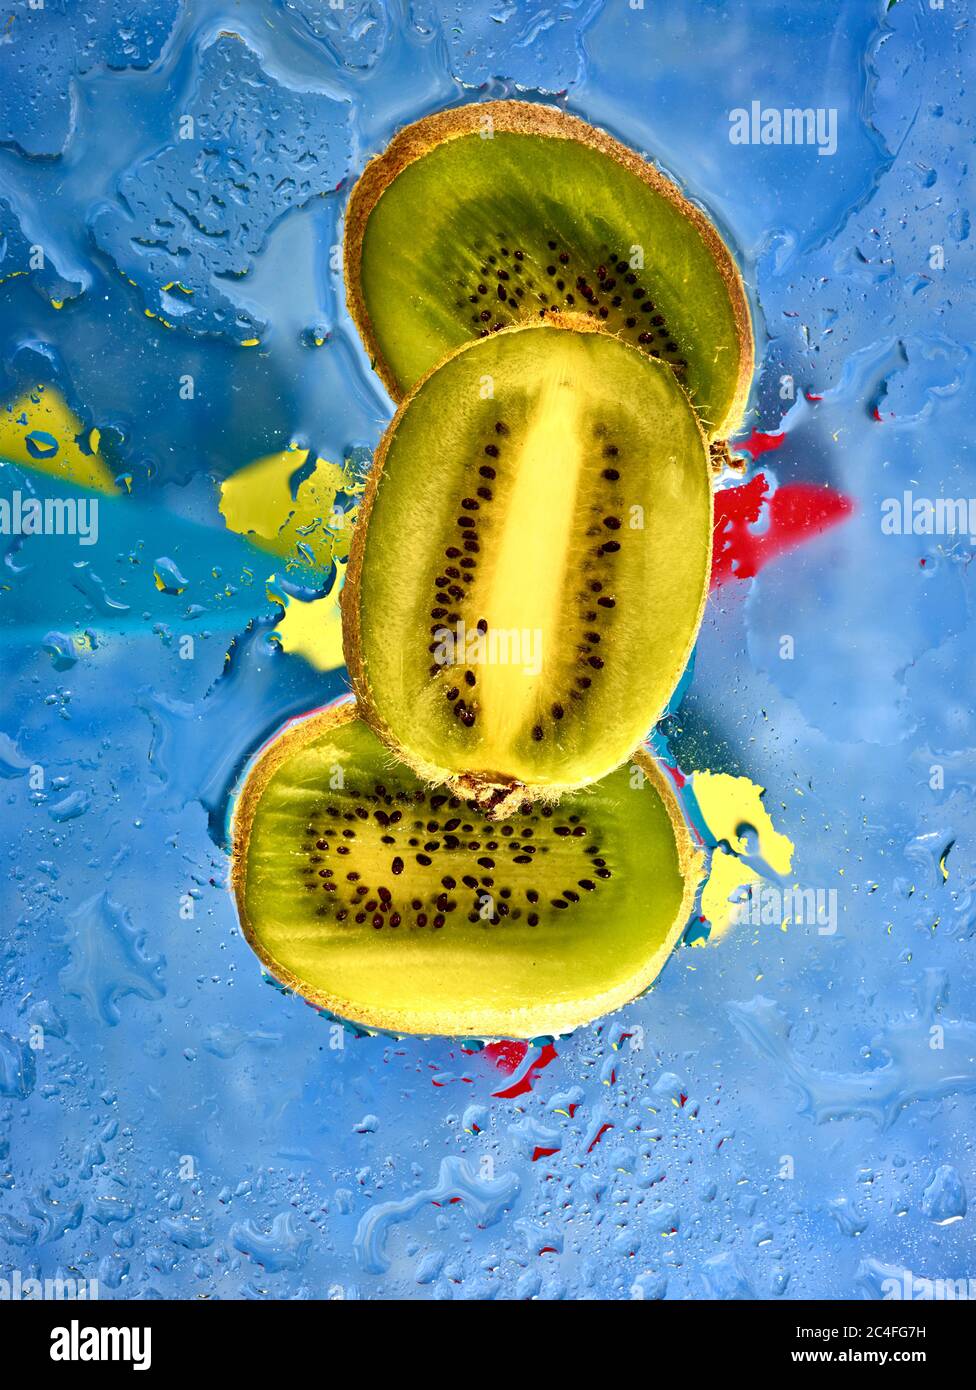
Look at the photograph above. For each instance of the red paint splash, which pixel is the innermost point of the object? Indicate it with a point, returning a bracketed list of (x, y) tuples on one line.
[(543, 1153), (795, 513), (759, 443), (509, 1057), (599, 1135)]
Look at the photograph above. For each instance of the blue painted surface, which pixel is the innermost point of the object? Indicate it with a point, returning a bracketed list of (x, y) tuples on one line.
[(786, 1114)]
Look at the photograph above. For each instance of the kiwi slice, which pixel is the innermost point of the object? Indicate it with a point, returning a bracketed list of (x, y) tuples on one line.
[(530, 564), (398, 906), (492, 214)]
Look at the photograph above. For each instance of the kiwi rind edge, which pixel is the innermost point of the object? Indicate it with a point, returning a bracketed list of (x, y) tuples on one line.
[(496, 795), (527, 118), (554, 1019)]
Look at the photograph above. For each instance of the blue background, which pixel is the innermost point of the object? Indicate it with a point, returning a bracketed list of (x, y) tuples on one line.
[(776, 1119)]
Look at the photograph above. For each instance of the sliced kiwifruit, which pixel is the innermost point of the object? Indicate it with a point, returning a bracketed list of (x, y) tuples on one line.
[(487, 215), (400, 907), (530, 564)]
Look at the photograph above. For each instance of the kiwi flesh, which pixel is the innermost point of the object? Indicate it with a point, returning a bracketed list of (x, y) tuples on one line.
[(398, 906), (491, 214), (530, 564)]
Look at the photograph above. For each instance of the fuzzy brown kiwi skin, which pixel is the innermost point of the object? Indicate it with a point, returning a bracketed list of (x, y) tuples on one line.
[(564, 1019), (496, 795), (527, 118)]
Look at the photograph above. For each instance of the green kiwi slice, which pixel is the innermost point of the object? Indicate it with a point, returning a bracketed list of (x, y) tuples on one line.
[(398, 906), (491, 214), (529, 569)]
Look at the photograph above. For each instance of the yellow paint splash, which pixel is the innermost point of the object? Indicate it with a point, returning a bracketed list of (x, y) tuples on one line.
[(306, 530), (726, 803), (40, 431), (313, 629)]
